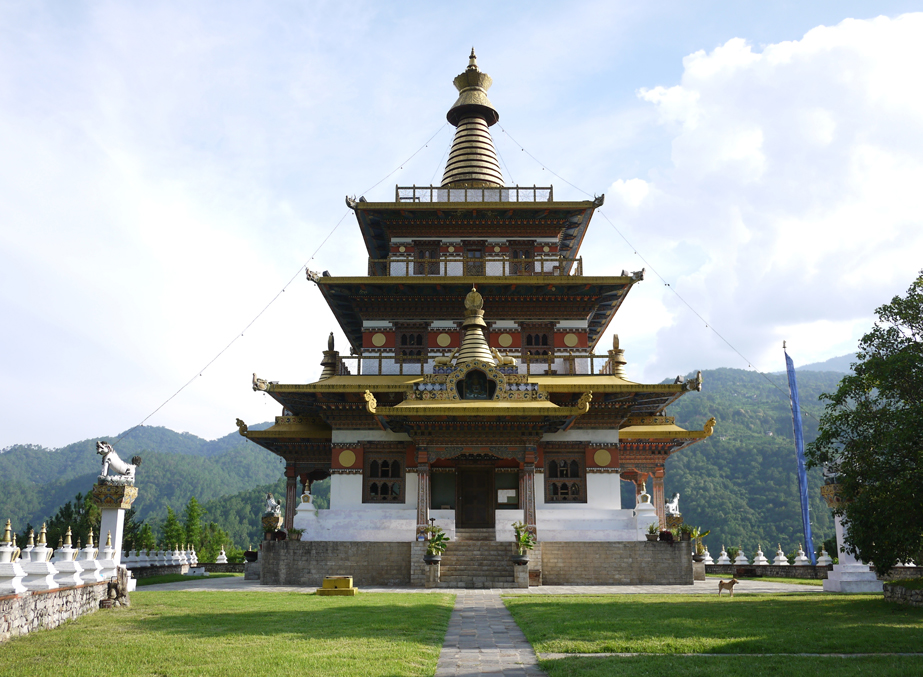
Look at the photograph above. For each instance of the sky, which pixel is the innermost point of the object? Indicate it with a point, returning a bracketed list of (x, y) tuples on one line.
[(167, 169)]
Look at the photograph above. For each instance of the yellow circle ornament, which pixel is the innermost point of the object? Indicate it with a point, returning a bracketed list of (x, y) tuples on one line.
[(496, 249), (347, 458), (602, 457), (546, 248), (505, 340), (571, 340), (443, 340), (451, 249), (378, 340), (402, 249)]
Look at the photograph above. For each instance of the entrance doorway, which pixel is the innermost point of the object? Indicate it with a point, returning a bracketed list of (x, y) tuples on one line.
[(474, 498)]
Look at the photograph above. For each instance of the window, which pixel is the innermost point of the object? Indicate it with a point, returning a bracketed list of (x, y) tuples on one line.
[(383, 479), (426, 259), (474, 259), (565, 478), (522, 255), (411, 340), (537, 339)]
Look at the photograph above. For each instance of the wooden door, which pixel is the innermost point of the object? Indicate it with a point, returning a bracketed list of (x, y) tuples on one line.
[(474, 501)]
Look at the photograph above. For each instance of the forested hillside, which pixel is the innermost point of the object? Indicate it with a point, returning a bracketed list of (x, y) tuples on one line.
[(741, 483), (35, 482)]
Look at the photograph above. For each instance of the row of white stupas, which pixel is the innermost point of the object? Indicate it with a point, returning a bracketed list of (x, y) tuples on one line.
[(137, 559), (780, 559), (38, 567)]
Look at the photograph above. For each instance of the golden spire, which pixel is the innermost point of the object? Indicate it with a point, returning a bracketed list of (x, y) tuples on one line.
[(67, 538), (108, 539), (473, 159), (31, 542), (90, 539), (42, 535), (474, 345), (7, 538)]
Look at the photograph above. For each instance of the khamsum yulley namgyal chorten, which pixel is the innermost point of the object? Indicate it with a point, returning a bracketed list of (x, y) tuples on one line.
[(472, 396)]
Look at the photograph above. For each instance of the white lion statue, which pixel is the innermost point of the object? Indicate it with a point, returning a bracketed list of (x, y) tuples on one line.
[(673, 505), (124, 473)]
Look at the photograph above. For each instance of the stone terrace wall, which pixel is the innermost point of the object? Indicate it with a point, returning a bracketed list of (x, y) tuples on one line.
[(307, 562), (768, 570), (902, 595), (27, 612), (615, 563)]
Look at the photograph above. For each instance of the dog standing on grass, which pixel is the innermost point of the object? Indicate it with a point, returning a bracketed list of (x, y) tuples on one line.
[(727, 585)]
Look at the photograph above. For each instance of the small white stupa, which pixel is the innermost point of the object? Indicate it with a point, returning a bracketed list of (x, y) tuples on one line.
[(741, 559), (723, 557), (222, 557), (908, 563), (193, 557), (707, 556), (760, 558), (801, 560), (40, 572), (11, 573), (142, 560), (64, 561), (107, 561), (88, 562), (183, 555), (781, 560), (823, 559)]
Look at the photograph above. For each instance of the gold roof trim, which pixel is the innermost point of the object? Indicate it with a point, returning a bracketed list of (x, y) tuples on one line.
[(670, 432), (479, 408), (483, 280)]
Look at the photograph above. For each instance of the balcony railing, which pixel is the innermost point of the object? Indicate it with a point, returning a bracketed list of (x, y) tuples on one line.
[(505, 194), (453, 265), (563, 363)]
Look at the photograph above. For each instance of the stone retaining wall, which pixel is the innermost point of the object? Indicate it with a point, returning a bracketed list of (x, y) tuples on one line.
[(902, 595), (160, 570), (307, 562), (768, 570), (615, 563), (228, 568), (30, 611)]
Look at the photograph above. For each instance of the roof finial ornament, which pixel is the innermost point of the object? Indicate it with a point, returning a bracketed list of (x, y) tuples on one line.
[(472, 60)]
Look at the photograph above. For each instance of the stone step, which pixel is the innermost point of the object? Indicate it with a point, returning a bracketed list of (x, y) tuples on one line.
[(476, 534)]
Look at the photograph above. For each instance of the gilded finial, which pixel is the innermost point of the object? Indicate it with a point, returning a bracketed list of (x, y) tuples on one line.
[(7, 533), (330, 341), (108, 539), (473, 60), (615, 342), (67, 538), (42, 535), (31, 542), (78, 544), (90, 539), (60, 542), (474, 301)]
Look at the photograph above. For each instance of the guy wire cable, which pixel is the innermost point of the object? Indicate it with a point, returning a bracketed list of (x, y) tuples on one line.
[(278, 294)]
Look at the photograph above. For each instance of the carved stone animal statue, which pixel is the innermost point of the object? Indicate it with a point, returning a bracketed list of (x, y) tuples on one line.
[(672, 505), (272, 506), (445, 359), (727, 585), (118, 466)]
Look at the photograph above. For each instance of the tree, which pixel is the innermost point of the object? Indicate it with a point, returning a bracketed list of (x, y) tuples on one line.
[(193, 523), (172, 532), (871, 437)]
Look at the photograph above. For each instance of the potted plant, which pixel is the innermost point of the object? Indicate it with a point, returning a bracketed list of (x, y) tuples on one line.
[(653, 530), (697, 536), (666, 535), (525, 541), (685, 532), (436, 543)]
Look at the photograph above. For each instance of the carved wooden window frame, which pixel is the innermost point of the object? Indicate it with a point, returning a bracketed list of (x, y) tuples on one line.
[(537, 338), (522, 257), (426, 257), (575, 486), (372, 479), (411, 340)]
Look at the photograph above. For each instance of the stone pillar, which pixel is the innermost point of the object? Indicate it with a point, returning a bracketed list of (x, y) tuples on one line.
[(113, 500), (422, 497), (291, 489), (659, 504), (528, 496)]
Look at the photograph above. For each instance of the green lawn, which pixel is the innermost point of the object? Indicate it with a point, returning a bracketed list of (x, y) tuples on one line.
[(747, 624), (180, 578), (242, 633), (773, 579)]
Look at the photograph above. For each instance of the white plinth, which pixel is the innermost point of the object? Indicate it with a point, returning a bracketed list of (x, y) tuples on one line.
[(11, 575), (852, 578), (40, 572), (68, 569), (645, 514), (112, 523)]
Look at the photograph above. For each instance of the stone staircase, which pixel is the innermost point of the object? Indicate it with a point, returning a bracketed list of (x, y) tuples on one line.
[(475, 560)]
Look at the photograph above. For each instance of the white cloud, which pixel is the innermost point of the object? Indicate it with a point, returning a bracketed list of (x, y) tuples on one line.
[(797, 170)]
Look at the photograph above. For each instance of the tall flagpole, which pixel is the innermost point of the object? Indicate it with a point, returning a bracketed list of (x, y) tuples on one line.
[(799, 448)]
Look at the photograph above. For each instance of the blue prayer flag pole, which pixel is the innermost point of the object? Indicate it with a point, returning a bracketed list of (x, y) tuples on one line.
[(799, 448)]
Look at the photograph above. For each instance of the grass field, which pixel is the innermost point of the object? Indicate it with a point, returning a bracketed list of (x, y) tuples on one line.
[(180, 578), (773, 579), (781, 625), (242, 633)]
